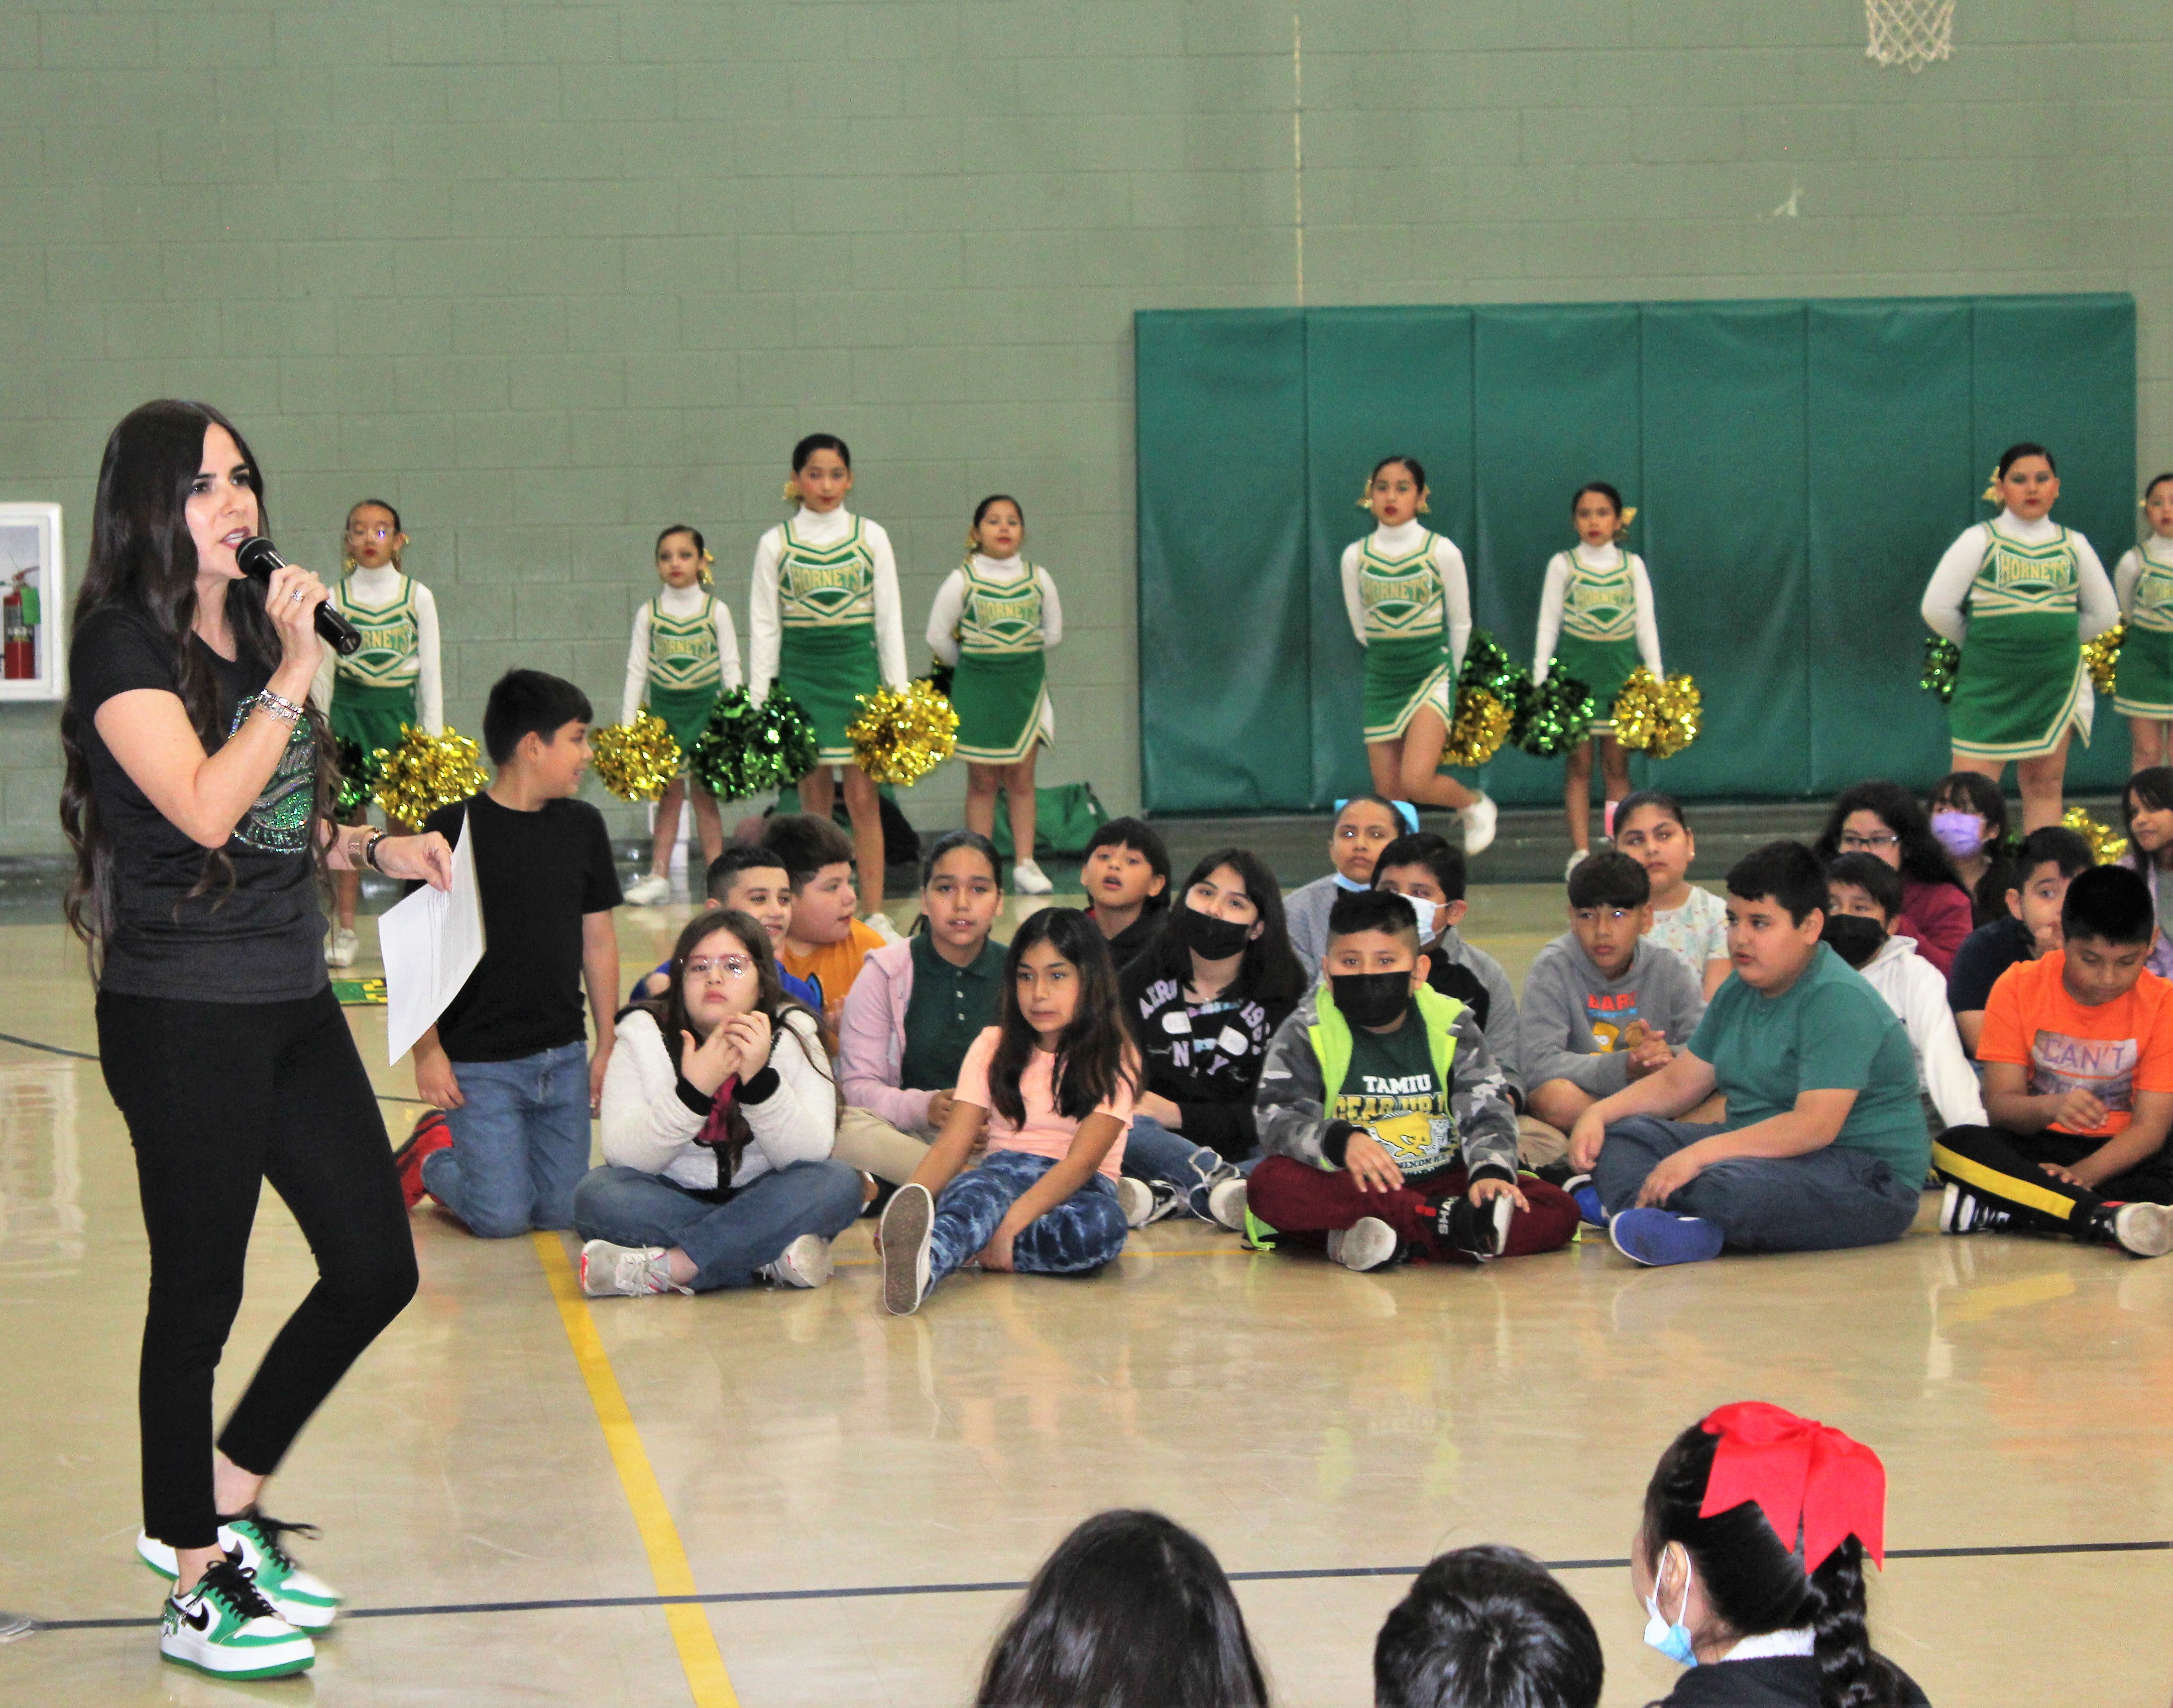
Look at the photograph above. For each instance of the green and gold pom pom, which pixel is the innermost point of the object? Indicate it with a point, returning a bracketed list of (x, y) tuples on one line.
[(1488, 666), (901, 738), (746, 749), (1481, 725), (636, 760), (1658, 719), (425, 773), (357, 778), (1942, 660), (2106, 848), (2102, 656), (1558, 715)]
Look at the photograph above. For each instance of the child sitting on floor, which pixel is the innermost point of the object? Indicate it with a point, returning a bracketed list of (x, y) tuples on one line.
[(1649, 827), (1864, 894), (1487, 1627), (748, 879), (2078, 1056), (2049, 861), (824, 944), (1052, 1083), (1428, 871), (1126, 877), (1386, 1117), (1365, 825), (1602, 1005)]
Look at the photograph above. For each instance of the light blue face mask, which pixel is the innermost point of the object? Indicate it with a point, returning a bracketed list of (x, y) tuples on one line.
[(1673, 1640)]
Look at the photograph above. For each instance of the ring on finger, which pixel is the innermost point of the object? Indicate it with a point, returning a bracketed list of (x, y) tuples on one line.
[(296, 595)]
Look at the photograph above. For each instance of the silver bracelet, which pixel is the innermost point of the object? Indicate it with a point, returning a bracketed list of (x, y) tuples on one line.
[(279, 705)]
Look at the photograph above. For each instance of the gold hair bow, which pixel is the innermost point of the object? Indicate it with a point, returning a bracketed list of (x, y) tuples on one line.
[(1992, 487)]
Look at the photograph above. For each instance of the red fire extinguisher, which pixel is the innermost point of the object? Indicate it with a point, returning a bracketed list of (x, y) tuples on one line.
[(18, 630)]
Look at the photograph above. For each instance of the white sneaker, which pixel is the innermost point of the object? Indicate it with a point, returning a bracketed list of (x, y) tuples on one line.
[(1136, 1200), (906, 1222), (252, 1542), (805, 1263), (225, 1627), (650, 892), (1367, 1244), (880, 923), (1577, 858), (2144, 1230), (1029, 879), (1226, 1203), (340, 951), (1479, 820), (626, 1272)]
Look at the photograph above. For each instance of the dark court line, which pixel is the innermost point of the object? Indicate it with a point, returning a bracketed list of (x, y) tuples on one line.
[(51, 1049), (729, 1598)]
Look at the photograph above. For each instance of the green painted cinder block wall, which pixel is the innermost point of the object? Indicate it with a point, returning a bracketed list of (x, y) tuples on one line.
[(550, 276)]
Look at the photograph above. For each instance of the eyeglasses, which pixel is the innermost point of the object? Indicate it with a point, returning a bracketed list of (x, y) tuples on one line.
[(731, 965), (357, 531), (1867, 844)]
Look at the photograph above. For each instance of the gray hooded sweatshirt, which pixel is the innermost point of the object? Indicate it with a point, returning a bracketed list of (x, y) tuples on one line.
[(1572, 1012)]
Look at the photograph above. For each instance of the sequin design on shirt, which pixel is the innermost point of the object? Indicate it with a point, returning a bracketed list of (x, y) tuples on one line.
[(278, 822)]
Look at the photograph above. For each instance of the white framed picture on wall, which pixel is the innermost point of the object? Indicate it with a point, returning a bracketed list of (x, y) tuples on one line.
[(33, 603)]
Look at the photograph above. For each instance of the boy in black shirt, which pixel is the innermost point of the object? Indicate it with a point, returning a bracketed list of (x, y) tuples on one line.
[(2050, 858), (508, 1059)]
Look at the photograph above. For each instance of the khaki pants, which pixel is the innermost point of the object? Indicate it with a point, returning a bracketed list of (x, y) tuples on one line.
[(1538, 1143), (867, 1142)]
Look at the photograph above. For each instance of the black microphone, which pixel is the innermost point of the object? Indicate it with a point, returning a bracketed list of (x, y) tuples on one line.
[(258, 557)]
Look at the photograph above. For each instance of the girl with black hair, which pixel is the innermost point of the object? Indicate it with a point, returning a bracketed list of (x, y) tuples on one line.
[(996, 618), (1409, 605), (1969, 821), (1051, 1083), (2146, 811), (197, 798), (719, 1116), (1202, 1002), (684, 654), (392, 680), (2019, 595), (823, 619), (1749, 1564), (1882, 818), (1596, 621), (1131, 1611)]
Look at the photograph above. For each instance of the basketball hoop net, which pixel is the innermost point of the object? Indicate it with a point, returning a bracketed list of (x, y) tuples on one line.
[(1911, 33)]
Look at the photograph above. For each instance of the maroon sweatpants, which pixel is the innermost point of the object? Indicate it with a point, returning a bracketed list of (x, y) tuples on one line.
[(1294, 1198)]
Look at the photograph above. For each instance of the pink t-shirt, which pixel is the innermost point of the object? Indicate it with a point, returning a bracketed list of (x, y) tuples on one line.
[(1045, 1133)]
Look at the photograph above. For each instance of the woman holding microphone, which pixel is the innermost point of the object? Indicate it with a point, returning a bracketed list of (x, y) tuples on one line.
[(197, 799)]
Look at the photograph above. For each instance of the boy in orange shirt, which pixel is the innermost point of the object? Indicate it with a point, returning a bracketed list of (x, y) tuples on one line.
[(824, 944), (2077, 1057)]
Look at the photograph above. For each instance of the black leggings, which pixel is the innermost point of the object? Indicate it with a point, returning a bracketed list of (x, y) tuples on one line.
[(2001, 1166), (219, 1096)]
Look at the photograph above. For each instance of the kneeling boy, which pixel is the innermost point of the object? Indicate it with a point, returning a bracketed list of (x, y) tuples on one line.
[(2078, 1056), (1824, 1146), (1386, 1116)]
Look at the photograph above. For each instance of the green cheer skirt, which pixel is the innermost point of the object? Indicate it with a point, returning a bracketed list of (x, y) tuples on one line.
[(2020, 686), (2143, 685), (1603, 666), (685, 712), (1401, 677), (827, 670), (1002, 704), (371, 717)]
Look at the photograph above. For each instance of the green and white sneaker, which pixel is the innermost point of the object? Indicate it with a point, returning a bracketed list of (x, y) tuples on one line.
[(225, 1627), (252, 1543)]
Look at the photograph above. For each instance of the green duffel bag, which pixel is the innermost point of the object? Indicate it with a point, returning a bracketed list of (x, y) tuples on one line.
[(1065, 821)]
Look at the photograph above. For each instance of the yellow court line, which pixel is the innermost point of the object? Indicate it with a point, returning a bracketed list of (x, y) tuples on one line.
[(710, 1685)]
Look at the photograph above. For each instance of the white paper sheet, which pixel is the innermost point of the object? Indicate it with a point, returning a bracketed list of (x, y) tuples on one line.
[(431, 942)]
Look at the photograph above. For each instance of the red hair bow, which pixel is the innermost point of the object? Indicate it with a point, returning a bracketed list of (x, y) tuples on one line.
[(1800, 1471)]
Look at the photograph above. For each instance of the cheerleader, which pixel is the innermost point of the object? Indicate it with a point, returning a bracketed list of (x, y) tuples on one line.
[(2019, 595), (1405, 590), (996, 617), (391, 680), (1596, 620), (825, 622), (684, 652), (2143, 580)]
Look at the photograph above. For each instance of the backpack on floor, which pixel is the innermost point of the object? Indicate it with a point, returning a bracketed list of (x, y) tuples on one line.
[(1064, 820)]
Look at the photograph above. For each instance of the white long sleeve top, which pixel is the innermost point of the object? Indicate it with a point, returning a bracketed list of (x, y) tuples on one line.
[(951, 604), (1400, 541), (649, 1126), (678, 601), (766, 632), (1949, 585), (2127, 575), (379, 587), (1914, 990), (1556, 589)]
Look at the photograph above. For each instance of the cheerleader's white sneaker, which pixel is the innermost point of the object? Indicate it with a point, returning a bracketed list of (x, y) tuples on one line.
[(1479, 820), (1029, 880), (342, 949), (650, 892)]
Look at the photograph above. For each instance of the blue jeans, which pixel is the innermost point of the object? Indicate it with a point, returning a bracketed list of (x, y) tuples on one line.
[(728, 1241), (1153, 1152), (1078, 1236), (520, 1143), (1824, 1201)]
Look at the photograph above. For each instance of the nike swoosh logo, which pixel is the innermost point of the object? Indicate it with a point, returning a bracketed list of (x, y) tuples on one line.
[(199, 1616)]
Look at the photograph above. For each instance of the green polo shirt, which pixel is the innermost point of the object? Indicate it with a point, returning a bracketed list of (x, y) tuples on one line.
[(950, 1008)]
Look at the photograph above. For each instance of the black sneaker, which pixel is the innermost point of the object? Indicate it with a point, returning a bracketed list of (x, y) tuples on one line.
[(1482, 1230), (2140, 1230), (1961, 1211)]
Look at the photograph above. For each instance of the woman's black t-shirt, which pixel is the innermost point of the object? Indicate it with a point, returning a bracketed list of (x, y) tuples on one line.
[(261, 939)]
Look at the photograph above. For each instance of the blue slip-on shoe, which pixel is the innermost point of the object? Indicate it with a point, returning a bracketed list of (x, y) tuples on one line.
[(1587, 1199), (1657, 1237)]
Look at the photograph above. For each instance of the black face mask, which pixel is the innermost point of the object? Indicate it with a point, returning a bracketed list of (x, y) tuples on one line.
[(1852, 937), (1208, 937), (1370, 999)]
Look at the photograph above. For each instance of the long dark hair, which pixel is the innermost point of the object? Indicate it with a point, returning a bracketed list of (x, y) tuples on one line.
[(2151, 791), (1755, 1582), (143, 562), (673, 1020), (1094, 1053), (1922, 857), (1269, 972), (1970, 791), (1131, 1611), (949, 843)]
